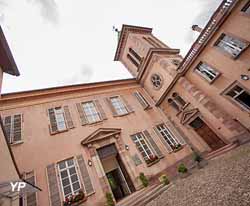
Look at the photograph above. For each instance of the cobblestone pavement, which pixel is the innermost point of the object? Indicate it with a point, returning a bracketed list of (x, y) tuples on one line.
[(225, 181)]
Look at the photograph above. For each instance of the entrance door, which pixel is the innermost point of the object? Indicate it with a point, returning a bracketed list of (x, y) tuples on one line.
[(116, 172), (207, 134), (117, 184)]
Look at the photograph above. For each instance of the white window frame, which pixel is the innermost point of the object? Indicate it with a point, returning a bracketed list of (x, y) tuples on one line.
[(69, 177), (11, 141), (203, 66), (58, 121), (168, 135), (137, 138), (237, 94), (231, 46), (121, 105), (89, 113)]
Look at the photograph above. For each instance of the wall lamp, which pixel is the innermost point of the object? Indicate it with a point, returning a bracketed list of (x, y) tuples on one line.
[(126, 147), (244, 77), (90, 163)]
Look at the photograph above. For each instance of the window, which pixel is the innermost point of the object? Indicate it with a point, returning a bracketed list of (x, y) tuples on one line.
[(141, 100), (91, 112), (206, 72), (142, 147), (133, 60), (13, 128), (68, 177), (118, 105), (60, 121), (246, 8), (137, 56), (179, 99), (240, 95), (177, 102), (173, 104), (168, 136), (156, 81), (231, 45)]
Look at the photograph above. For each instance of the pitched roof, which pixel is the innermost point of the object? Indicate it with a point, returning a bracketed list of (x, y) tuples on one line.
[(7, 62)]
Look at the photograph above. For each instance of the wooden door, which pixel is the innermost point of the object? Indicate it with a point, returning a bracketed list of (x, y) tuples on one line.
[(207, 134)]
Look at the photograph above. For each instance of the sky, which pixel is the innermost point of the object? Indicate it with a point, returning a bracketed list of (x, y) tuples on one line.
[(63, 42)]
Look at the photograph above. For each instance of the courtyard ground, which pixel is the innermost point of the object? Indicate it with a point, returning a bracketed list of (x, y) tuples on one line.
[(225, 181)]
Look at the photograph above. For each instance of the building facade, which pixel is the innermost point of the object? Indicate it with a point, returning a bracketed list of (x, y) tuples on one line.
[(8, 168), (99, 137)]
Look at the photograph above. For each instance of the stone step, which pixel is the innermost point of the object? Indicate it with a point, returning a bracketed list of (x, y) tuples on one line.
[(152, 196), (135, 195), (146, 196), (221, 151)]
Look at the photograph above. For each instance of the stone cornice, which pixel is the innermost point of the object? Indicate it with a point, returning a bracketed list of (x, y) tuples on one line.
[(149, 57), (63, 90), (124, 34)]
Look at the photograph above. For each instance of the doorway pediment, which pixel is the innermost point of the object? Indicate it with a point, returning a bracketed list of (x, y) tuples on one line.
[(100, 134)]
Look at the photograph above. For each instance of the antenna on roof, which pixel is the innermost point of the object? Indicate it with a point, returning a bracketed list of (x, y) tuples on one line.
[(117, 31)]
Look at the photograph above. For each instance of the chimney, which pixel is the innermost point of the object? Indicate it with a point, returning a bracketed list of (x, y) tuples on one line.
[(196, 28)]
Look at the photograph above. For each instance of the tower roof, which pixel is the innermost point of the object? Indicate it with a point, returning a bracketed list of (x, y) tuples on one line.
[(124, 34), (7, 61)]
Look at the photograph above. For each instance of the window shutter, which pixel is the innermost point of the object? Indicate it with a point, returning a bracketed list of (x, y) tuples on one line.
[(84, 120), (53, 123), (175, 132), (85, 175), (111, 106), (129, 108), (17, 128), (169, 149), (153, 144), (68, 117), (141, 100), (31, 198), (100, 110), (7, 127), (54, 194)]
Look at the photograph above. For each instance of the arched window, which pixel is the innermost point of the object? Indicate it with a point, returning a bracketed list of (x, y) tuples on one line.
[(173, 104), (156, 81), (179, 99)]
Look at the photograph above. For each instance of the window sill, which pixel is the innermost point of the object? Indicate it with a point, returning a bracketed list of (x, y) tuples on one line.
[(17, 143), (121, 115), (94, 123), (58, 132), (178, 149), (148, 108), (152, 163)]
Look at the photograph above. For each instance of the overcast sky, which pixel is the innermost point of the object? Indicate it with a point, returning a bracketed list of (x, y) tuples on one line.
[(61, 42)]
